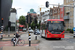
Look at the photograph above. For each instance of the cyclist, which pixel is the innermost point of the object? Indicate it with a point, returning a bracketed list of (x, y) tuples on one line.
[(16, 38), (17, 35)]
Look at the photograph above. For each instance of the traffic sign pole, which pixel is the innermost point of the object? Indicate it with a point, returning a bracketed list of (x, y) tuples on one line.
[(74, 18), (28, 19)]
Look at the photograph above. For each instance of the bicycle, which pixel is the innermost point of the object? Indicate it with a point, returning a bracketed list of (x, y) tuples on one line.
[(17, 42)]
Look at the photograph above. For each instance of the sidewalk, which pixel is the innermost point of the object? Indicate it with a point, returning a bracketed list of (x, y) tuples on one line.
[(71, 34), (19, 48)]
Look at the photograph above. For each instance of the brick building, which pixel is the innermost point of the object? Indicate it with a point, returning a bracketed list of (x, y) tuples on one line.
[(54, 12), (69, 14)]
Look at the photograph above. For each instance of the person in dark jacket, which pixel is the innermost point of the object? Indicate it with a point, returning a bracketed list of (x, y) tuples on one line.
[(17, 35)]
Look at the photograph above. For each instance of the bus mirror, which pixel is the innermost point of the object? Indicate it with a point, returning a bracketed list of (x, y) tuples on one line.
[(46, 27), (63, 24)]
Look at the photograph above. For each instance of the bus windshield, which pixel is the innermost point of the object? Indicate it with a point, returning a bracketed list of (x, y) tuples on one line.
[(56, 27)]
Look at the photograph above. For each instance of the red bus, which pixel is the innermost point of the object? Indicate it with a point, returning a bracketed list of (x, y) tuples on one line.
[(53, 28), (21, 27)]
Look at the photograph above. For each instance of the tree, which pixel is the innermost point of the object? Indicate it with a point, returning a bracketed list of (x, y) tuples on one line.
[(33, 25), (22, 20)]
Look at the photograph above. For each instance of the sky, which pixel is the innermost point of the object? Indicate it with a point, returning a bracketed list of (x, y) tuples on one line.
[(24, 6)]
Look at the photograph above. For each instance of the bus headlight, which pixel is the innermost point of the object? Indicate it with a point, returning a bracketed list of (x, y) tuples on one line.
[(48, 33)]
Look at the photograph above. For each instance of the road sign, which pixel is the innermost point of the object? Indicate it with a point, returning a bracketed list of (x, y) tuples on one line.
[(74, 29)]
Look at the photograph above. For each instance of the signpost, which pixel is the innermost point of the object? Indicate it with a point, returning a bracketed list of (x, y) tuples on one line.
[(29, 20), (74, 19)]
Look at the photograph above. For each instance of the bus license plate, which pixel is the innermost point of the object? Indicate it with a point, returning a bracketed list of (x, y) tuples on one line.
[(56, 35)]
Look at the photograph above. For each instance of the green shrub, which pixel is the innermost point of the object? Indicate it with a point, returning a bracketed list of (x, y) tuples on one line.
[(68, 29)]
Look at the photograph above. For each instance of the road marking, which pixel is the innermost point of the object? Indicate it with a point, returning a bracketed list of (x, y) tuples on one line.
[(26, 45), (70, 41), (66, 37)]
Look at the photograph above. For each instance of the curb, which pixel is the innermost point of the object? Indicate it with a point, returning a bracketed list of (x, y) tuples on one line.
[(6, 39), (19, 48), (11, 35)]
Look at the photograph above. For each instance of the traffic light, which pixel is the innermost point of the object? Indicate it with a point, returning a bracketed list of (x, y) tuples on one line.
[(9, 24), (2, 20), (40, 9), (47, 4), (28, 18), (35, 20)]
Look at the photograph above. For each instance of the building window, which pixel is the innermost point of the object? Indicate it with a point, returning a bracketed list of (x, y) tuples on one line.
[(61, 15), (73, 13), (69, 0), (61, 9), (66, 1), (71, 21), (66, 8)]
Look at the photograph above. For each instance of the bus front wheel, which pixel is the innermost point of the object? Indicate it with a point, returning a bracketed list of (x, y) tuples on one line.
[(59, 38), (41, 36)]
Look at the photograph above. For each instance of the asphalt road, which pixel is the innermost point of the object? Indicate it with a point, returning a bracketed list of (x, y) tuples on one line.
[(67, 43), (26, 36), (55, 44)]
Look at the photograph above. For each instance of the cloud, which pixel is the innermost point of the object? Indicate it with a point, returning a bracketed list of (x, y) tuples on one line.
[(26, 5)]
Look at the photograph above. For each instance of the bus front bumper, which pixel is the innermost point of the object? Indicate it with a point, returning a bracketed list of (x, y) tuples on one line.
[(55, 36)]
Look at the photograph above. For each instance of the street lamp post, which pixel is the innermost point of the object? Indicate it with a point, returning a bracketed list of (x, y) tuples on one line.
[(15, 23)]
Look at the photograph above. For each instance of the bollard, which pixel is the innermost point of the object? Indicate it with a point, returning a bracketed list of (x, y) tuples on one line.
[(14, 40), (35, 37), (29, 39), (8, 35)]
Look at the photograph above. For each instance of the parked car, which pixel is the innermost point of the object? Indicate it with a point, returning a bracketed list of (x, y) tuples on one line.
[(24, 29), (30, 30), (36, 32)]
